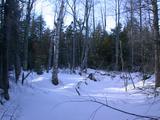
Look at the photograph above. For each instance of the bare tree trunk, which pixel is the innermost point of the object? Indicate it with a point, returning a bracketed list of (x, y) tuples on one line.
[(117, 11), (131, 34), (140, 36), (27, 26), (15, 33), (1, 42), (157, 42), (17, 63), (94, 24), (105, 15), (50, 53), (86, 43), (74, 35), (56, 44), (121, 54), (102, 17), (5, 49)]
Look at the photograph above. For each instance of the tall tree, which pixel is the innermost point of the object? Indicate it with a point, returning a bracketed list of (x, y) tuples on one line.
[(73, 8), (15, 37), (157, 41), (74, 35), (5, 46), (56, 43), (140, 34), (93, 12), (26, 32), (87, 41), (1, 40), (117, 12), (131, 33), (50, 50)]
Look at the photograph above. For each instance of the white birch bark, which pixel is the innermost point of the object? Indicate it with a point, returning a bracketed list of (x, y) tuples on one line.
[(56, 44)]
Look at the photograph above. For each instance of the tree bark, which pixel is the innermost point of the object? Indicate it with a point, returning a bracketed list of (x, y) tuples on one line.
[(140, 35), (93, 10), (56, 44), (87, 41), (117, 11), (74, 35), (5, 48), (131, 35), (157, 42), (1, 43), (26, 34), (15, 38), (50, 52)]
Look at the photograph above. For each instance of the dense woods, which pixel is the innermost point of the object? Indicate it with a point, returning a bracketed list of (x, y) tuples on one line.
[(27, 45)]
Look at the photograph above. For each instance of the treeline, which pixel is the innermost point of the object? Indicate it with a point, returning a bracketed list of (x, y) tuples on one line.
[(26, 44), (24, 41)]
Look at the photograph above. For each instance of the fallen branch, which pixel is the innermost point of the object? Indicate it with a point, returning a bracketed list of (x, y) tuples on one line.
[(77, 87), (113, 108), (122, 111), (78, 92), (119, 110)]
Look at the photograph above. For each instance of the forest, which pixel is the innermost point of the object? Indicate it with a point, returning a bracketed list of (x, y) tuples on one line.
[(79, 54)]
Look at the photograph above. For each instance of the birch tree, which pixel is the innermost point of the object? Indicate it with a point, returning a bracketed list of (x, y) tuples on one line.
[(56, 43), (87, 41), (50, 51)]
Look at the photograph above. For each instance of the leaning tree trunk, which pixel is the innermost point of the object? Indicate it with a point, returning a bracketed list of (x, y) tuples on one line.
[(157, 42), (56, 44)]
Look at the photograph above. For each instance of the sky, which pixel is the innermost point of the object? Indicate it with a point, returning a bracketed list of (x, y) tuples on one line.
[(47, 10)]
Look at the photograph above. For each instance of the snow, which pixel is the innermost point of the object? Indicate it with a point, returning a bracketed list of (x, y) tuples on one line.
[(38, 99)]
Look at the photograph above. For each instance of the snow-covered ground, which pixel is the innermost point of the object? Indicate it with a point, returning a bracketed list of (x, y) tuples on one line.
[(38, 99)]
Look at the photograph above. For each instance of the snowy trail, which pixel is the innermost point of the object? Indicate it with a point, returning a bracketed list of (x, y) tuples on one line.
[(38, 99)]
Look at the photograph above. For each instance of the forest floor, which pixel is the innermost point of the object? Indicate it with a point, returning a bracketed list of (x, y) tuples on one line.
[(38, 99)]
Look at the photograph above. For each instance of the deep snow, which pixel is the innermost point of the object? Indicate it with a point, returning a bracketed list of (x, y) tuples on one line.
[(38, 99)]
